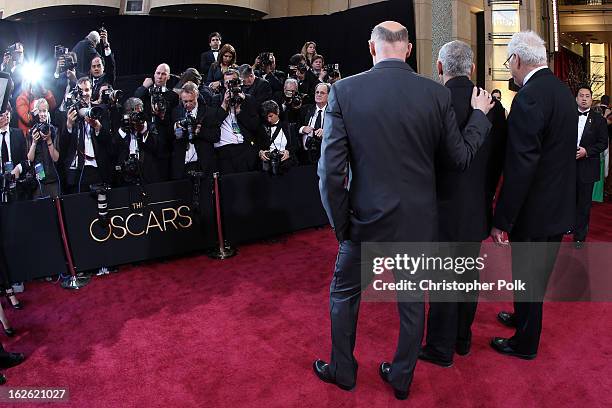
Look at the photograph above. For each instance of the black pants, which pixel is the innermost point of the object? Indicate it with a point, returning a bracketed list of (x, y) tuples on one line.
[(236, 158), (584, 198), (344, 300), (84, 178), (449, 321), (533, 260)]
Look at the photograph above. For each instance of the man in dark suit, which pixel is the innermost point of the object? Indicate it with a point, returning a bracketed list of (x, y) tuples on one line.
[(465, 210), (389, 142), (311, 126), (537, 203), (207, 58), (102, 72), (276, 135), (85, 51), (258, 88), (12, 145), (193, 146), (592, 140)]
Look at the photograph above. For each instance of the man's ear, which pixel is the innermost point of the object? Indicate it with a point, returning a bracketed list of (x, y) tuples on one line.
[(372, 46), (409, 50), (440, 69), (473, 69)]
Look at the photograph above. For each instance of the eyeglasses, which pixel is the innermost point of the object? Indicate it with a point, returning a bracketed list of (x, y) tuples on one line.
[(507, 63), (320, 93)]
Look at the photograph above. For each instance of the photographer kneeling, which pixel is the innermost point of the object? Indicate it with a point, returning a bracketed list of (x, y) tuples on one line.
[(277, 142), (42, 153), (134, 146)]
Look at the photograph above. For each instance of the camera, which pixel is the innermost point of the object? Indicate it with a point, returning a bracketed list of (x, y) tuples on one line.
[(235, 89), (266, 59), (12, 49), (293, 100), (41, 127), (294, 69), (93, 113), (60, 51), (313, 143), (275, 161), (333, 70), (130, 170), (74, 100), (187, 124), (158, 100), (133, 120), (110, 96)]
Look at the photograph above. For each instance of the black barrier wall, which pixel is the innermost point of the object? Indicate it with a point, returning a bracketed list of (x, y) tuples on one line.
[(140, 43), (31, 240)]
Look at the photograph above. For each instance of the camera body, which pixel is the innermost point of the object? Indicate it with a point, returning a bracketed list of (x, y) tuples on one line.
[(41, 127), (133, 120), (110, 96), (62, 53), (333, 70), (158, 99), (93, 113), (235, 89), (313, 143), (266, 59), (294, 100), (188, 125), (294, 69), (275, 162)]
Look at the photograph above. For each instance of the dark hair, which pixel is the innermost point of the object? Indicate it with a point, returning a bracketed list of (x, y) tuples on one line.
[(584, 86), (268, 107), (190, 75), (296, 59), (605, 100), (224, 49), (318, 56), (84, 79), (215, 34), (496, 91)]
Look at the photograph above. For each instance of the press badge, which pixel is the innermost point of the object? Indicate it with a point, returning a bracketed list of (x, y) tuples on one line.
[(235, 128)]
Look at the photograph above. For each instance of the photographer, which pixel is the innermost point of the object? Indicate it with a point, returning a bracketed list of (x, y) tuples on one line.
[(99, 74), (159, 102), (85, 142), (307, 80), (134, 146), (290, 102), (236, 150), (277, 142), (65, 79), (42, 153), (25, 103), (196, 128), (209, 57), (12, 155), (258, 88), (225, 61), (313, 118), (12, 64), (265, 67)]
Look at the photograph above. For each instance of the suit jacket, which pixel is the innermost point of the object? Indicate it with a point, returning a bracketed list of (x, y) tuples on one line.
[(465, 198), (261, 91), (109, 77), (594, 140), (207, 58), (102, 145), (538, 197), (248, 118), (393, 139), (85, 51), (19, 149)]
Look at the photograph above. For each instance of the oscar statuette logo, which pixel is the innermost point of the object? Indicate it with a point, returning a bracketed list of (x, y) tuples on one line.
[(141, 223)]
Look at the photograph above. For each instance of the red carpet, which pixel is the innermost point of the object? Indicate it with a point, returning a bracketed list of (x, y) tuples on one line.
[(243, 332)]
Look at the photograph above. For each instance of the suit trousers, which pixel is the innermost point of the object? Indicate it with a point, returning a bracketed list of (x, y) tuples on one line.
[(533, 260), (344, 300), (450, 316), (584, 198)]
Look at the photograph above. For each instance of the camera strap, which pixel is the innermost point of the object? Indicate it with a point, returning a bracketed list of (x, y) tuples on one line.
[(275, 135)]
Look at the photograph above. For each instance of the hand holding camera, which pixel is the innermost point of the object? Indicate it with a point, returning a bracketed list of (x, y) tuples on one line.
[(72, 117), (104, 37)]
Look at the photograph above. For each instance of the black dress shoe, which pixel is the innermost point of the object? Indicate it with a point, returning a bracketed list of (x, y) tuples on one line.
[(507, 319), (502, 346), (425, 355), (385, 371), (321, 369), (463, 348), (9, 331), (8, 360)]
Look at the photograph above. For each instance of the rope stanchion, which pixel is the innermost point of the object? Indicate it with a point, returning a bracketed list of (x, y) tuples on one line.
[(224, 250), (72, 281)]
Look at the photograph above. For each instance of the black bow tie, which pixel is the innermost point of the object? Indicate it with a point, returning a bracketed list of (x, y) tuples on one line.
[(583, 113)]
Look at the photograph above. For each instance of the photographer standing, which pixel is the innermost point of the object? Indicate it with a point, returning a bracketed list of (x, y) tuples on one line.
[(225, 61), (265, 67), (209, 57), (236, 150), (196, 128), (312, 126), (134, 145), (43, 153), (307, 80), (159, 102), (277, 142), (258, 88), (85, 143), (25, 103), (65, 79), (12, 148), (12, 64), (290, 102)]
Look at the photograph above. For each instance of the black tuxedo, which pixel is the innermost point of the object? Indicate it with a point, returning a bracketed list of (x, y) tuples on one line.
[(261, 91), (207, 58), (465, 211), (210, 119), (308, 85), (109, 77), (146, 151), (390, 141), (265, 141), (537, 203), (85, 51), (588, 170)]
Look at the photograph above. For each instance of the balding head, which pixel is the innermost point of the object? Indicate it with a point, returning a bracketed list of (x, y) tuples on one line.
[(389, 40), (162, 73)]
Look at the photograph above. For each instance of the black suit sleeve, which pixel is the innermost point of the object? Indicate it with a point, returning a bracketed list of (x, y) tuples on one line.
[(461, 147), (332, 168), (523, 152), (600, 129)]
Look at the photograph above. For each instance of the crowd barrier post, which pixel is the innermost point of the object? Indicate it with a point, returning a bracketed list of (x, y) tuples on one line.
[(224, 250), (71, 281)]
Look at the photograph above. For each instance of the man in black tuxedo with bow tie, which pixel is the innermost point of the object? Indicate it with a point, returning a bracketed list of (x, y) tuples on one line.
[(537, 203), (207, 58), (592, 140), (386, 146), (13, 145)]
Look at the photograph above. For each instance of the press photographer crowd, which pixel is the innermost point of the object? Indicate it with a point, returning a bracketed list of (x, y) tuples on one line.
[(76, 131)]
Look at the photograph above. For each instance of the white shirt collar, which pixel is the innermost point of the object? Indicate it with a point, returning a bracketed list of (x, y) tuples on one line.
[(194, 112), (320, 109), (6, 129), (530, 74)]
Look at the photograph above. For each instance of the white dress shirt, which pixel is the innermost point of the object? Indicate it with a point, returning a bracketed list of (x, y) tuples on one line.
[(582, 120), (7, 138), (280, 141), (134, 140), (311, 123), (191, 155), (230, 131)]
